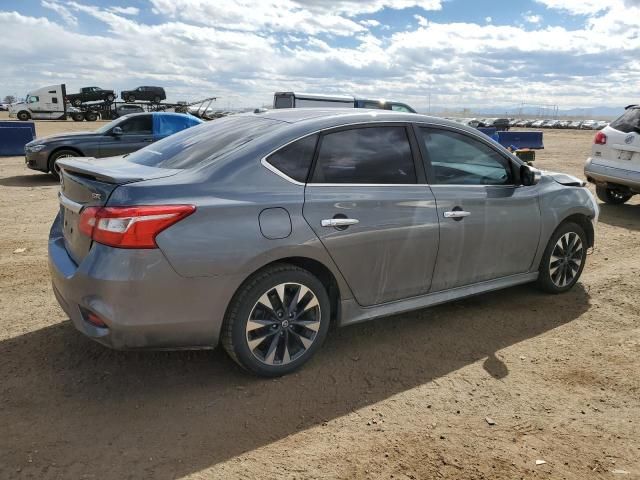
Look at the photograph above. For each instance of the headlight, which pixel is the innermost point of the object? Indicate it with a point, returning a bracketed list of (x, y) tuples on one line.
[(34, 148)]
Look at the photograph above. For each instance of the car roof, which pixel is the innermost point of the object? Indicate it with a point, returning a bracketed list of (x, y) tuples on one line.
[(347, 115)]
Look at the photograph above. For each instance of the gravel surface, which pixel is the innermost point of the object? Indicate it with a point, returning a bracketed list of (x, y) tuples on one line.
[(511, 384)]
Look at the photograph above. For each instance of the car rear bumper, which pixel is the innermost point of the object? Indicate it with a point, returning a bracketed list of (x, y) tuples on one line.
[(142, 300), (603, 175)]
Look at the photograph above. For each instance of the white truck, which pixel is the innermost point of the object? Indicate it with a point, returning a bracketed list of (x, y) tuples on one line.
[(48, 103), (309, 100)]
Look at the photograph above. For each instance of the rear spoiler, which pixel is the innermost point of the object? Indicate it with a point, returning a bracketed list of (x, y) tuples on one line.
[(114, 170)]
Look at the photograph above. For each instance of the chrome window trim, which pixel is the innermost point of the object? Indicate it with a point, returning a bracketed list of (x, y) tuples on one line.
[(478, 135), (75, 207)]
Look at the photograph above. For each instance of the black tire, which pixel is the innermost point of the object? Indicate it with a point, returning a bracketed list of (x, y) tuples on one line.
[(23, 116), (611, 196), (131, 98), (53, 169), (157, 99), (77, 102), (91, 116), (561, 274), (235, 330), (77, 116), (110, 98)]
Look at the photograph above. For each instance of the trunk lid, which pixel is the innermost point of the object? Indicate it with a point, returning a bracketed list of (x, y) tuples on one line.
[(87, 182)]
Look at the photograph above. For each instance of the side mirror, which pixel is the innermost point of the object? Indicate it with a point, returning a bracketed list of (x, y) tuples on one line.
[(529, 175), (117, 131)]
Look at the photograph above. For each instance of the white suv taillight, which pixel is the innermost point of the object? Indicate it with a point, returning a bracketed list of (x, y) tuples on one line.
[(130, 227), (600, 139)]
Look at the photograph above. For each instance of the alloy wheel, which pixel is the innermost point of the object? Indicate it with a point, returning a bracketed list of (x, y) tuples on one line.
[(566, 259), (56, 167), (283, 324)]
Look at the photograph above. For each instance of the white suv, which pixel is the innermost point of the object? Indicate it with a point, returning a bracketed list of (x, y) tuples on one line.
[(614, 165)]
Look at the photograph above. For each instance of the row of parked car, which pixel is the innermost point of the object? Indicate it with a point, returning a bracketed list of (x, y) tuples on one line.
[(506, 123)]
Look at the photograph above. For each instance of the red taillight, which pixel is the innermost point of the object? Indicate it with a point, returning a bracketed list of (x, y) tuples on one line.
[(600, 139), (95, 320), (130, 227)]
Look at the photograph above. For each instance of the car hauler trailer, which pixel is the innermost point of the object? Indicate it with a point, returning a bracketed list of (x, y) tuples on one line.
[(308, 100)]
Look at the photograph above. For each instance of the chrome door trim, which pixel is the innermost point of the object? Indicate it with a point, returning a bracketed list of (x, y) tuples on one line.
[(75, 207), (339, 222), (456, 214)]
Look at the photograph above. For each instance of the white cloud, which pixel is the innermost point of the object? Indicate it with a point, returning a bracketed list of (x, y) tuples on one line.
[(529, 17), (61, 10), (578, 7), (243, 53), (125, 10), (488, 19)]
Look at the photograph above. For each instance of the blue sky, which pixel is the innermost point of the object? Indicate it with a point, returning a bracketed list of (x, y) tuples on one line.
[(460, 53)]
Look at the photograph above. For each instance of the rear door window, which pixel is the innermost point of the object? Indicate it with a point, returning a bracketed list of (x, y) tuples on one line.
[(170, 124), (628, 122), (294, 160), (371, 155), (139, 125)]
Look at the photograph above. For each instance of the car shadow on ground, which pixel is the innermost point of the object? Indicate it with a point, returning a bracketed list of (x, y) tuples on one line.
[(69, 407), (33, 180), (624, 216)]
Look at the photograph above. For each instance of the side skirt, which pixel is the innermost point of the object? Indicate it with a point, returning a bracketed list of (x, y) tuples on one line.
[(354, 313)]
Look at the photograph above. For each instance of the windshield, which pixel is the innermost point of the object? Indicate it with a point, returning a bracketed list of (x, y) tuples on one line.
[(205, 143), (629, 121)]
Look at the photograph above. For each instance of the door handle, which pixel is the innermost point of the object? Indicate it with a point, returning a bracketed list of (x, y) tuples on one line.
[(338, 222), (148, 140), (456, 214)]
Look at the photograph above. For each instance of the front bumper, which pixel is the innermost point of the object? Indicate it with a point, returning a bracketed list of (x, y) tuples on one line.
[(37, 160), (603, 175), (143, 301)]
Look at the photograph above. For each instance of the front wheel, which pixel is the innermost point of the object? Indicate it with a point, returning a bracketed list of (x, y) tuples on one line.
[(157, 99), (611, 196), (563, 259), (53, 165), (110, 98), (277, 320), (130, 98), (23, 116)]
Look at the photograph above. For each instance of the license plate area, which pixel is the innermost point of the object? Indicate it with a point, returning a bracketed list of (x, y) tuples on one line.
[(625, 155)]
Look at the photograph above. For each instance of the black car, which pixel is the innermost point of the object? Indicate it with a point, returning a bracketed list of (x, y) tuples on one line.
[(150, 94)]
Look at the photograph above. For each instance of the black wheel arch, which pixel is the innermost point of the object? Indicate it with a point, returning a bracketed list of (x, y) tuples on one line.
[(585, 222), (57, 149)]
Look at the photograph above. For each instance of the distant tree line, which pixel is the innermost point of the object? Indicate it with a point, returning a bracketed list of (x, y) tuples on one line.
[(9, 99)]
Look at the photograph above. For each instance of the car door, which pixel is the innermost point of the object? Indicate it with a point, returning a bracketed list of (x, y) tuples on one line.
[(137, 132), (489, 224), (370, 207)]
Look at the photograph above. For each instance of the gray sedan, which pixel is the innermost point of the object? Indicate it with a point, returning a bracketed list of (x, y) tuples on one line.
[(258, 231)]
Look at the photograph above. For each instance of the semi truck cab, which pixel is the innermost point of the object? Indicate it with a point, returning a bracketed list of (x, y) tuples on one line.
[(46, 103)]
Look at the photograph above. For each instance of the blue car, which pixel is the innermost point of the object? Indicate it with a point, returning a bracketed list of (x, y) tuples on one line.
[(124, 135)]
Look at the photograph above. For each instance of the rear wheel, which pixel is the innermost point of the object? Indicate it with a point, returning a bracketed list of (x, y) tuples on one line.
[(91, 116), (53, 165), (110, 98), (563, 259), (612, 196), (131, 98), (77, 116), (277, 320), (157, 99)]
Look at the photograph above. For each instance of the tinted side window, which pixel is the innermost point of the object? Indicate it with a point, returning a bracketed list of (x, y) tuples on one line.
[(397, 107), (379, 155), (137, 125), (457, 159), (628, 122), (295, 159)]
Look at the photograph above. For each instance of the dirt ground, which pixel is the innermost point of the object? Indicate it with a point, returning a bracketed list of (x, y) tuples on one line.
[(402, 397)]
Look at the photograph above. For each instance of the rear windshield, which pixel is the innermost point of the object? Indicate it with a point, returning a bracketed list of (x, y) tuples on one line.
[(203, 144), (629, 121)]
